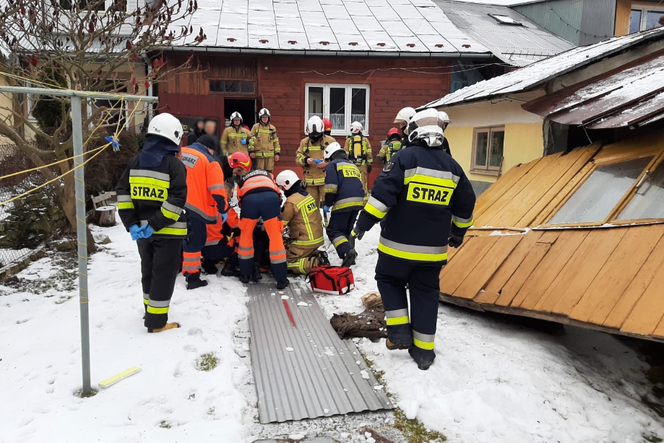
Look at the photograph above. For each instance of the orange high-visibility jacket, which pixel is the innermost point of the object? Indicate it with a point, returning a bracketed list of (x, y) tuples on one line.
[(215, 233), (255, 181), (206, 195)]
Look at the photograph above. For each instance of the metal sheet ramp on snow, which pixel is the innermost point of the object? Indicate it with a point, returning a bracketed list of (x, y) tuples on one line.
[(301, 367)]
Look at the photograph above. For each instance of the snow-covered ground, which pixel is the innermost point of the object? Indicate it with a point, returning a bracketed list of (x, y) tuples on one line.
[(493, 381)]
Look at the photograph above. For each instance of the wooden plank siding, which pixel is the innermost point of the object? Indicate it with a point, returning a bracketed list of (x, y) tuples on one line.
[(606, 278), (281, 84)]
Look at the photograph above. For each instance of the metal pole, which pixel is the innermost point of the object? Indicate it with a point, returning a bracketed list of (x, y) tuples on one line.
[(81, 234)]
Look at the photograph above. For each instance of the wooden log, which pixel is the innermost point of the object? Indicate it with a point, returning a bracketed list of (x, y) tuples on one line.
[(105, 216)]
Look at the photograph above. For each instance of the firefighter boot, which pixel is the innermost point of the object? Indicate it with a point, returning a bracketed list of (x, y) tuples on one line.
[(165, 328), (423, 357), (256, 275), (194, 281), (230, 268), (282, 284), (322, 259), (399, 337), (349, 258)]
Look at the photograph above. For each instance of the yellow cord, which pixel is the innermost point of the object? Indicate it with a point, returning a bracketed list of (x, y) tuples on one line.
[(101, 149), (74, 156)]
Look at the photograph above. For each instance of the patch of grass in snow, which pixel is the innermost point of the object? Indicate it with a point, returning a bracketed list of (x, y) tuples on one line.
[(207, 362), (414, 430), (380, 375), (164, 424), (79, 393), (652, 438)]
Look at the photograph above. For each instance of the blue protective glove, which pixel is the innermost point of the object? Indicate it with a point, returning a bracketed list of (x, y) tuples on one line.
[(135, 232), (326, 209), (243, 141), (318, 162), (224, 217), (145, 231)]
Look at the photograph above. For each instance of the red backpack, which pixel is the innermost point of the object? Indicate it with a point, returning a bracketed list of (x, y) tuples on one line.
[(332, 280)]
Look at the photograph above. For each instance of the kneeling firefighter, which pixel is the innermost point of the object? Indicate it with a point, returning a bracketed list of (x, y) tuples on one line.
[(421, 192), (259, 198), (152, 193), (344, 196), (302, 216)]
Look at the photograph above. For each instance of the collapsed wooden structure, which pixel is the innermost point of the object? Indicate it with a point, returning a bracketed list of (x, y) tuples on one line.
[(575, 238)]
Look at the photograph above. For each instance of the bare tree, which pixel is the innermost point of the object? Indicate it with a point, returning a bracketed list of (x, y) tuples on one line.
[(90, 45)]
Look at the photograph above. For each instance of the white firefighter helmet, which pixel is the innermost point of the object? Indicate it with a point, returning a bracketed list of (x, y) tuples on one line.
[(404, 115), (331, 149), (356, 128), (235, 116), (166, 125), (443, 117), (315, 125), (426, 126), (286, 179), (264, 112)]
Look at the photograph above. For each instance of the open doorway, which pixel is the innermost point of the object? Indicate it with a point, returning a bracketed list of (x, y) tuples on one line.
[(246, 107)]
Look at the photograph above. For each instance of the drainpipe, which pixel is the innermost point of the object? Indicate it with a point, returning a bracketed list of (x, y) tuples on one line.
[(149, 91)]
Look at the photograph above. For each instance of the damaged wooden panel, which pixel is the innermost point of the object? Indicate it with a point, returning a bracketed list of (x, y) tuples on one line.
[(605, 275)]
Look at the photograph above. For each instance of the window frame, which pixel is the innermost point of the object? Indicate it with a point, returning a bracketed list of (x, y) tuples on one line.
[(488, 169), (232, 94), (644, 15), (610, 220), (347, 101)]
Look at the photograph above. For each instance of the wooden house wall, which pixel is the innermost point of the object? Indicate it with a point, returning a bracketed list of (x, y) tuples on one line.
[(281, 84)]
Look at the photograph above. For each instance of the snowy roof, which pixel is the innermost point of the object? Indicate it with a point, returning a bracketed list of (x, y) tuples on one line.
[(628, 98), (540, 72), (510, 36), (416, 27)]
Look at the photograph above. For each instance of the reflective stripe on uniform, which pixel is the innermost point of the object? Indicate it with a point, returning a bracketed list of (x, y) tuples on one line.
[(212, 242), (161, 176), (348, 203), (339, 240), (413, 252), (299, 265), (124, 198), (397, 317), (376, 208), (278, 256), (192, 208), (177, 228), (158, 307), (331, 187), (315, 181), (305, 216), (146, 298), (215, 187), (423, 341), (463, 222), (245, 253), (171, 211), (125, 205), (431, 176), (313, 242)]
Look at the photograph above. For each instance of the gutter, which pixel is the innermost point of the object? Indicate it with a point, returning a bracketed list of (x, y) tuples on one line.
[(309, 52)]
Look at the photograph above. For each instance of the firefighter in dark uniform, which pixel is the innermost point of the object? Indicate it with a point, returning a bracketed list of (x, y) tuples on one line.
[(424, 202), (152, 193), (344, 197)]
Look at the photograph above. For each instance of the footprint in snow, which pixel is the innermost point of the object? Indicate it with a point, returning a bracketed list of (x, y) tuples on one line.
[(195, 331), (189, 348)]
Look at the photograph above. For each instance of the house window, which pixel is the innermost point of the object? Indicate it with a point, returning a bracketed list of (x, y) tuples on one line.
[(642, 19), (488, 150), (95, 5), (342, 104), (232, 87)]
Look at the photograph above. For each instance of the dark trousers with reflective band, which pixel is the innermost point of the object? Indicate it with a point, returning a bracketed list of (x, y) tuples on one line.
[(339, 229), (191, 258), (160, 259), (392, 276), (265, 205)]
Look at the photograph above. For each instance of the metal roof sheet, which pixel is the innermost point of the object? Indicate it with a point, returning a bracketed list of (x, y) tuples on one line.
[(517, 45), (540, 72), (377, 26), (301, 367), (632, 96)]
